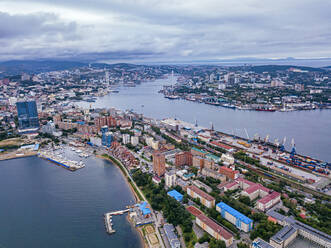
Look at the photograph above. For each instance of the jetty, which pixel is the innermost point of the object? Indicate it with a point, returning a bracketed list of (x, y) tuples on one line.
[(109, 221)]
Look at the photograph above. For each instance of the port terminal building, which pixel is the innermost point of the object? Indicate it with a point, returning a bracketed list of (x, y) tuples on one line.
[(241, 221)]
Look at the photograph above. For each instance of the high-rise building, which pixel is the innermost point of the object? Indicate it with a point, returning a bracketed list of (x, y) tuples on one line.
[(183, 158), (126, 138), (27, 115), (107, 139), (104, 131), (159, 163)]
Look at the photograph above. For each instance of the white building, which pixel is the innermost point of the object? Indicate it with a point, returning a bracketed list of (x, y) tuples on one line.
[(126, 138), (170, 179), (227, 158), (134, 140)]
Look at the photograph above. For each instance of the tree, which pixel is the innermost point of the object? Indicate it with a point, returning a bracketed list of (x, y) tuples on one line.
[(242, 245), (217, 244), (204, 238)]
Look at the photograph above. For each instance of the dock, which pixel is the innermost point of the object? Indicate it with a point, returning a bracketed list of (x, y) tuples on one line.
[(108, 220), (109, 224)]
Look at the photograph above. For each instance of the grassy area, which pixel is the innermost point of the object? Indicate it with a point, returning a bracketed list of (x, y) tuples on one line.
[(135, 190), (190, 239), (10, 143)]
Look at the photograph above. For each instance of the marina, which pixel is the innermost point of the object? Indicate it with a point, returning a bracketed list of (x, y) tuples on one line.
[(109, 221), (60, 161)]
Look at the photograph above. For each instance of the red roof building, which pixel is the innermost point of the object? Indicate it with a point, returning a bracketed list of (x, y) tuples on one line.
[(210, 226)]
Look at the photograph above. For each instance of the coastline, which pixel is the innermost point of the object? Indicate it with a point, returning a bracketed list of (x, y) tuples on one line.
[(141, 234), (137, 199), (123, 174)]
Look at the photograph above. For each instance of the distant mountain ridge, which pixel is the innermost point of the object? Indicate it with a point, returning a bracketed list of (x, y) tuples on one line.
[(36, 66)]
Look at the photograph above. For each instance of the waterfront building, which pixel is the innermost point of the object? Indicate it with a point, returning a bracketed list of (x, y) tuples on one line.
[(241, 221), (158, 163), (183, 158), (170, 178), (176, 195), (211, 227), (206, 199), (27, 116), (169, 230)]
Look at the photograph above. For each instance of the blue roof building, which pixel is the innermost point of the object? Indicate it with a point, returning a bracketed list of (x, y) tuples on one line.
[(176, 195), (145, 210), (241, 221)]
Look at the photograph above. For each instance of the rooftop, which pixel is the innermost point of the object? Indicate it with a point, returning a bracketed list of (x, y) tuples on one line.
[(175, 194), (284, 234), (269, 197), (234, 212), (201, 193), (209, 222)]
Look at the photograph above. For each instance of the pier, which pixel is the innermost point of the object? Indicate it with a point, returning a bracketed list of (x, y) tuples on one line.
[(108, 220)]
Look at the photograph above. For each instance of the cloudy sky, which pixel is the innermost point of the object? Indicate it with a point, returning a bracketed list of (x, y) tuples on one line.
[(164, 30)]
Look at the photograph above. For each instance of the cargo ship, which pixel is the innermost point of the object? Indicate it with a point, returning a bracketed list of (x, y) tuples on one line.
[(171, 97), (266, 109)]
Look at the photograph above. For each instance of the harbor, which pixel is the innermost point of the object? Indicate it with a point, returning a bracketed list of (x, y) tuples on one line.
[(109, 221), (59, 160), (40, 193)]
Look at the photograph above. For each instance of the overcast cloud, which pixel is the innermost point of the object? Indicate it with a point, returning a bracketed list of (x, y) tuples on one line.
[(164, 30)]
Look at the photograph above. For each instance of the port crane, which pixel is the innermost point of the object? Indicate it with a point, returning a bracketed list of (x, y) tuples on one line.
[(282, 147), (266, 139), (249, 140)]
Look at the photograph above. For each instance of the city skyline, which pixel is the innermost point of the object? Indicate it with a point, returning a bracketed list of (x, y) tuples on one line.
[(154, 31)]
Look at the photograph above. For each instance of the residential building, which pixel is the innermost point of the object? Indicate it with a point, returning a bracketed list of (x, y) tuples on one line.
[(229, 173), (183, 158), (170, 178), (211, 227), (126, 138), (206, 199), (241, 221), (214, 174), (158, 163), (169, 230), (134, 140)]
